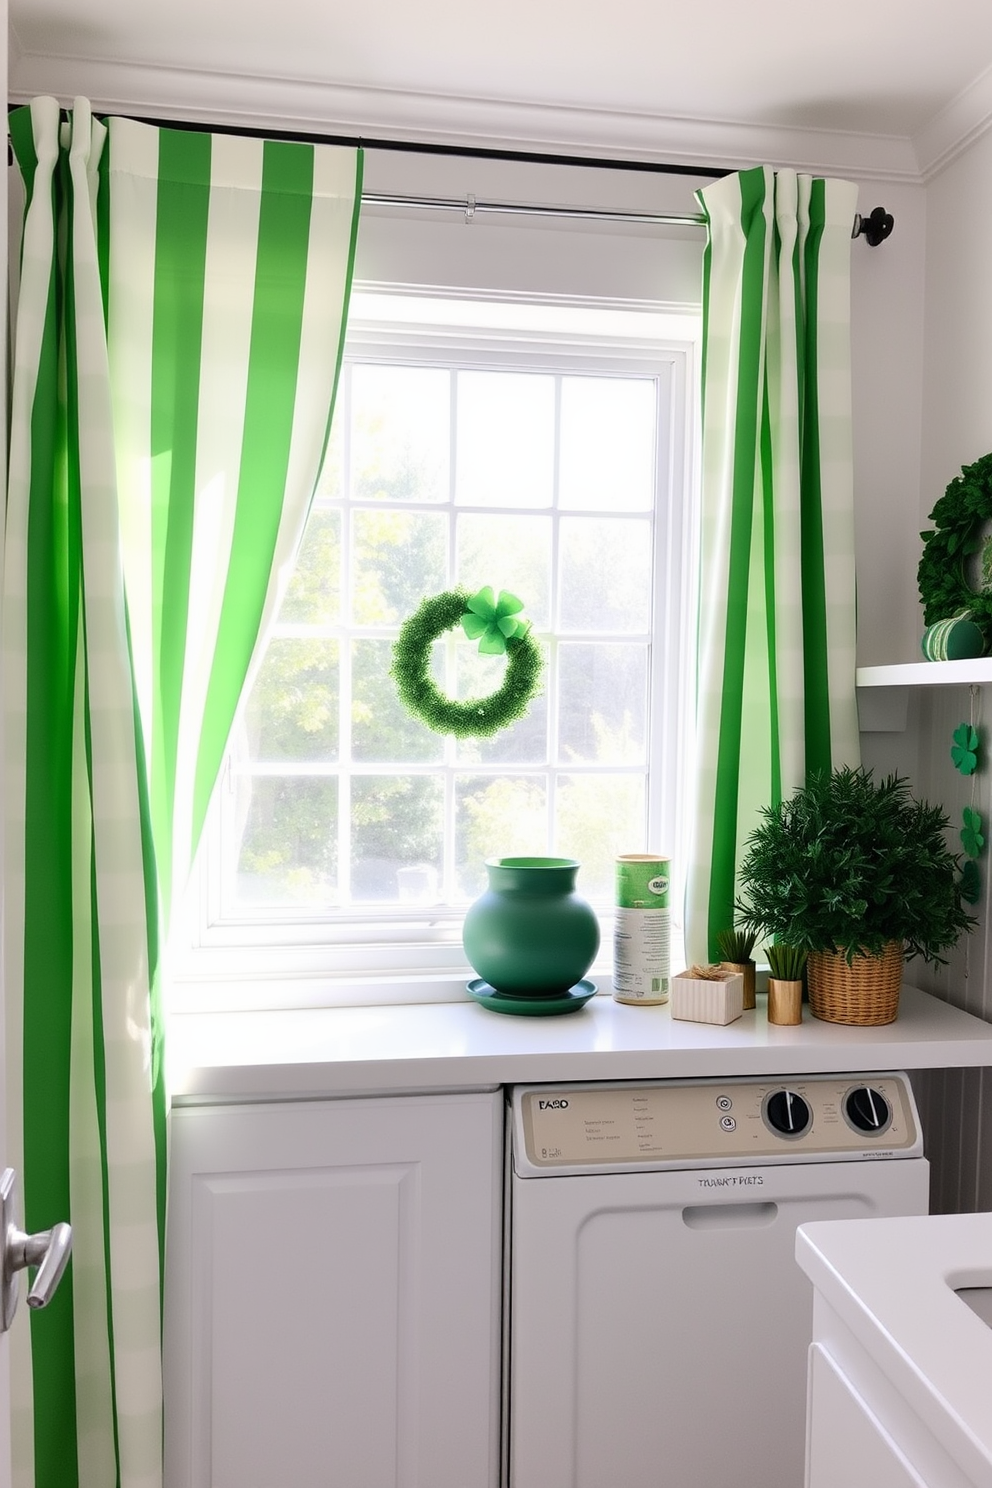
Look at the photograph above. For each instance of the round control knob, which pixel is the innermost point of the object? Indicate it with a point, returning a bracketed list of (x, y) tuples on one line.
[(787, 1113), (867, 1110)]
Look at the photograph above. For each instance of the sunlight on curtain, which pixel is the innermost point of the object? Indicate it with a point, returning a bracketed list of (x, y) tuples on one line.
[(777, 618), (178, 340)]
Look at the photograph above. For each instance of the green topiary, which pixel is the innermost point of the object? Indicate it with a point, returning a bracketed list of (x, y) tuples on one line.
[(848, 865), (959, 516), (786, 963), (420, 694), (736, 945)]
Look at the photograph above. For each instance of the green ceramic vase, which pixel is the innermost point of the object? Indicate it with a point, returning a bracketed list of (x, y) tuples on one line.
[(530, 933)]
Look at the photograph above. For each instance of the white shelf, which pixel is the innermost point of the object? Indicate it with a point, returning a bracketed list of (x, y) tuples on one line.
[(927, 673)]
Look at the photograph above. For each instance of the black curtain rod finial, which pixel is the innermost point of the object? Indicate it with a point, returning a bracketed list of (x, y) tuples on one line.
[(875, 228)]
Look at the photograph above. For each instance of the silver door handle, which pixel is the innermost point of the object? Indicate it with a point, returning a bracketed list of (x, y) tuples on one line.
[(48, 1250)]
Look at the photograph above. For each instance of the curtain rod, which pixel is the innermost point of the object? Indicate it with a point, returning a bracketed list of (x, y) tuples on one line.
[(473, 208), (875, 228)]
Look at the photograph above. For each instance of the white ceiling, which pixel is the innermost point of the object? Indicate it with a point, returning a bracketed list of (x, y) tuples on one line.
[(651, 76)]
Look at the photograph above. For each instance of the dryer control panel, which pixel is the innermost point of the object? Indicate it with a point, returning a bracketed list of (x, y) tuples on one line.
[(657, 1124)]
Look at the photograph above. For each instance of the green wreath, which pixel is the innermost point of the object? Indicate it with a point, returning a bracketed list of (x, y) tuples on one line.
[(959, 515), (480, 615)]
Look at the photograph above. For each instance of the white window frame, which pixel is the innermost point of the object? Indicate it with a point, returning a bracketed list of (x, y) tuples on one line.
[(380, 955)]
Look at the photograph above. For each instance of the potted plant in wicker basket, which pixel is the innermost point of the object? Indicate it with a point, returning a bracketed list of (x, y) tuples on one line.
[(859, 874)]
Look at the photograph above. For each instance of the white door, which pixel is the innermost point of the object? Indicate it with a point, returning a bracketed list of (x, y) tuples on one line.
[(5, 1481), (4, 1345)]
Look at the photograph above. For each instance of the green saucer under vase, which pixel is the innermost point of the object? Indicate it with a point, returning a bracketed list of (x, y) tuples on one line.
[(531, 1005)]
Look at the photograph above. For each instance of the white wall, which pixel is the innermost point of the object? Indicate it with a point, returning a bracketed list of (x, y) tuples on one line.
[(956, 418), (887, 295), (958, 370)]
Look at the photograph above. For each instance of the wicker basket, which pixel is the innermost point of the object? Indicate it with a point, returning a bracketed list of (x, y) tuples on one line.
[(865, 993)]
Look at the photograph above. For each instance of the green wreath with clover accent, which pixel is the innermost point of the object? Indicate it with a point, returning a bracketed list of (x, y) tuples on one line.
[(959, 516), (497, 626)]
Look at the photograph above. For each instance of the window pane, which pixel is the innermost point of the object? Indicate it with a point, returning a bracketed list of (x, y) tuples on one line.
[(292, 713), (602, 702), (599, 817), (524, 742), (496, 819), (396, 825), (401, 444), (313, 596), (607, 443), (505, 439), (397, 558), (382, 731), (288, 851), (605, 574), (508, 552)]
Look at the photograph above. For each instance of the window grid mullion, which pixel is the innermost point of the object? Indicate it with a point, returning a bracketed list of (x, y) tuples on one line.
[(344, 651), (552, 678), (449, 844)]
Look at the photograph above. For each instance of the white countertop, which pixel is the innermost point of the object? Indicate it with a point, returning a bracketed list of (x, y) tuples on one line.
[(892, 1283), (459, 1045)]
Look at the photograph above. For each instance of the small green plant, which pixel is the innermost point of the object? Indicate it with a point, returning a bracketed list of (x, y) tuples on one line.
[(848, 864), (786, 963), (736, 945)]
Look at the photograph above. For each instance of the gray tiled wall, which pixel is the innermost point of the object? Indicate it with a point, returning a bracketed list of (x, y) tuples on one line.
[(956, 1105)]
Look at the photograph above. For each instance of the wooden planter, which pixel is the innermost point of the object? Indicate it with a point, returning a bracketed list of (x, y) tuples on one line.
[(747, 971), (785, 1001), (865, 993)]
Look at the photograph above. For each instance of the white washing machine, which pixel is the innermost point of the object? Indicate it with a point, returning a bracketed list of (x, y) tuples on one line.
[(658, 1323)]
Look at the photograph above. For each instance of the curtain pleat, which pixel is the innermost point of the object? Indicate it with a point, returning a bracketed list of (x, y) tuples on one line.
[(179, 332), (776, 637)]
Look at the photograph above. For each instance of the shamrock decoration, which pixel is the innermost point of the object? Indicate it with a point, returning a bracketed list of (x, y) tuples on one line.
[(970, 883), (491, 621), (964, 751), (972, 839), (478, 717)]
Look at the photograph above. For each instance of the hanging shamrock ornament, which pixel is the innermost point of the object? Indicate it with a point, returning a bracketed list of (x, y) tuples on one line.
[(972, 838), (970, 882), (964, 750), (491, 621)]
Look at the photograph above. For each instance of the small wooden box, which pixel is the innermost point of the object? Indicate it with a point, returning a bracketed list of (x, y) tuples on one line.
[(701, 1000)]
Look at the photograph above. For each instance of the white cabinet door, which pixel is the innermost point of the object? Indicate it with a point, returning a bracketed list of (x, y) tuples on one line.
[(332, 1291), (846, 1442)]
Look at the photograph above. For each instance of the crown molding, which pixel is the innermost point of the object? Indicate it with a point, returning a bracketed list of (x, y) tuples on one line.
[(950, 132), (309, 107)]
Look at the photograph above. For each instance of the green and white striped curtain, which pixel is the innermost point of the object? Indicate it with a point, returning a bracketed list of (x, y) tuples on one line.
[(776, 695), (178, 337)]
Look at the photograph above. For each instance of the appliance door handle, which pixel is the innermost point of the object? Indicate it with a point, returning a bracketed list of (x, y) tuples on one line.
[(729, 1216)]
